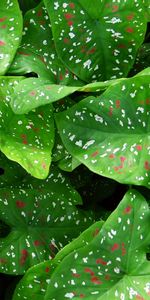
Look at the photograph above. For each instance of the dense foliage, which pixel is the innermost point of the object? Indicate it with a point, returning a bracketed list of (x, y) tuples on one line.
[(75, 149)]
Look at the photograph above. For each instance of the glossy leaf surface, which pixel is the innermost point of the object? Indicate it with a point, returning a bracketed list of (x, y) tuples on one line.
[(97, 40), (113, 265), (110, 133), (26, 139)]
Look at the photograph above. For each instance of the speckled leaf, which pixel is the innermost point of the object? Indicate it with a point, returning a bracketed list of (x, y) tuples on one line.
[(42, 221), (68, 163), (110, 133), (113, 265), (10, 172), (10, 32), (26, 139), (37, 51), (101, 37), (39, 276), (34, 92)]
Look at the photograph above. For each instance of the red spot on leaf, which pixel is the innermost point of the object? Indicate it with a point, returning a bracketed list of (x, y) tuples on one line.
[(123, 249), (37, 243), (44, 166), (122, 158), (115, 247), (91, 51), (148, 101), (129, 30), (69, 16), (66, 41), (47, 269), (101, 261), (147, 166), (130, 17), (70, 23), (39, 13), (20, 204), (76, 275), (23, 53), (3, 260), (94, 153), (139, 147), (115, 8), (24, 255), (88, 270), (117, 103), (32, 93), (107, 277), (82, 295), (110, 111), (127, 210), (96, 232), (111, 155), (121, 46), (3, 19), (95, 280), (2, 43), (72, 5), (61, 77), (139, 297)]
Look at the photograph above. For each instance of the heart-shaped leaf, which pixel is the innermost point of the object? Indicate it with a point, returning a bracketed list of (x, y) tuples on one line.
[(37, 52), (97, 40), (110, 133), (42, 220), (113, 265), (38, 277), (26, 139), (10, 32)]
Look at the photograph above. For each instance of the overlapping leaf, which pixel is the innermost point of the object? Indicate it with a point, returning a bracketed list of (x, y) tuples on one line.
[(38, 277), (113, 265), (110, 133), (97, 40), (26, 139), (42, 218), (37, 52), (10, 32)]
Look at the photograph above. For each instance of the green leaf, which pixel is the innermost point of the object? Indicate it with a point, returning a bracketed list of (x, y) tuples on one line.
[(113, 265), (110, 133), (10, 32), (34, 92), (97, 40), (26, 139), (37, 51), (39, 276), (42, 219)]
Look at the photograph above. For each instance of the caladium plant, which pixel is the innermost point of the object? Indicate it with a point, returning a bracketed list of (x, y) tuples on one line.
[(74, 138)]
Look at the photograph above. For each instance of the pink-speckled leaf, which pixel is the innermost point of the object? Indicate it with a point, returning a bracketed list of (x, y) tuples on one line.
[(37, 51), (26, 139), (97, 40), (114, 264), (110, 133), (10, 32), (34, 92), (39, 276), (43, 218)]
